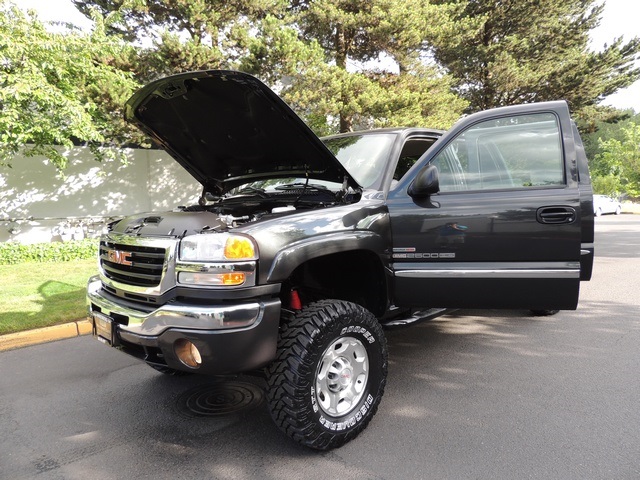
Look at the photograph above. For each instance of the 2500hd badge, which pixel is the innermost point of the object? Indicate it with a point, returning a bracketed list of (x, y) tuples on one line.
[(302, 249)]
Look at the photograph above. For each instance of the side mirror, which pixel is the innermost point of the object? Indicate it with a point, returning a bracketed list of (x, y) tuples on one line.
[(426, 182)]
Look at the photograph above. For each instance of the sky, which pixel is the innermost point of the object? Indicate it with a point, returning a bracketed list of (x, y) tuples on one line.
[(620, 19)]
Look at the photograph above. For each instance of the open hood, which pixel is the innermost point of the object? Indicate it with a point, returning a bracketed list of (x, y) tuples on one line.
[(228, 128)]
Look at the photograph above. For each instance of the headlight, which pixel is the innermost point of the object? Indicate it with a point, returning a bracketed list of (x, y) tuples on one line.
[(215, 247), (217, 260)]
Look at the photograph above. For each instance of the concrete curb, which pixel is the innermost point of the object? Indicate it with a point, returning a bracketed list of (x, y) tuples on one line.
[(44, 335)]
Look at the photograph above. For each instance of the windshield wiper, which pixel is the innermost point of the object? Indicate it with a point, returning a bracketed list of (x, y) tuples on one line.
[(249, 190), (304, 186)]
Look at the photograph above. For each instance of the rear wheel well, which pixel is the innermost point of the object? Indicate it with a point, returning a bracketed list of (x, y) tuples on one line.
[(355, 276)]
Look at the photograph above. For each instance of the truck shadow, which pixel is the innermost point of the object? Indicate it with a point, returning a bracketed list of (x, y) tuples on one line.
[(436, 371), (444, 354), (461, 354)]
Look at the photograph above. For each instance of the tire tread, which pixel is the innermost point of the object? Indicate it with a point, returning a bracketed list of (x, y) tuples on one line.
[(288, 374)]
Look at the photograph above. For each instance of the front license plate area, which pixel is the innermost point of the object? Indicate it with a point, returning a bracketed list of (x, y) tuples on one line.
[(103, 328)]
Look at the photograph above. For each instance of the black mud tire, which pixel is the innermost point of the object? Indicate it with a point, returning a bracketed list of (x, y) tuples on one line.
[(172, 372), (296, 403), (544, 313)]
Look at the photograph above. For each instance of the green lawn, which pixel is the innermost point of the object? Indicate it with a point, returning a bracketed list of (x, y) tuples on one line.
[(37, 295)]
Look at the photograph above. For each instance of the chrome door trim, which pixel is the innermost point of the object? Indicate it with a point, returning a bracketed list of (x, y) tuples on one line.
[(488, 270)]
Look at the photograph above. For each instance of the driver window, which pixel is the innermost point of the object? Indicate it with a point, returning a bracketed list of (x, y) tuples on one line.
[(507, 153)]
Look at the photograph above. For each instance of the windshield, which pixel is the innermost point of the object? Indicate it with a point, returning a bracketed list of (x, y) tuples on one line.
[(364, 156), (285, 184)]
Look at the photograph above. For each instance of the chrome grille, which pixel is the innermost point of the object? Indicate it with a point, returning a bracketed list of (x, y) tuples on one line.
[(132, 264)]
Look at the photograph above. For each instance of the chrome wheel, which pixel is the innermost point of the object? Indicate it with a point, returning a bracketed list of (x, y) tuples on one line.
[(329, 375), (341, 376)]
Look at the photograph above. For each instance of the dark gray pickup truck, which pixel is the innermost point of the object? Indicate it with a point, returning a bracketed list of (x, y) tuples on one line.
[(301, 250)]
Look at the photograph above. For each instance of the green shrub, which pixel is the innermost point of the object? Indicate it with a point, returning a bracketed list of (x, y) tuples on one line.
[(607, 185), (13, 252)]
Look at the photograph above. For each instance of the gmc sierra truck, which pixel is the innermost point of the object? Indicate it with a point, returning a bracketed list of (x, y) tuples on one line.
[(302, 249)]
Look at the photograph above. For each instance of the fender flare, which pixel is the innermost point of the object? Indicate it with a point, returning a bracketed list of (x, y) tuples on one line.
[(295, 254)]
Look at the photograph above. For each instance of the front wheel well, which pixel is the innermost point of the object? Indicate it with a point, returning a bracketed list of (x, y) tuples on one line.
[(355, 276)]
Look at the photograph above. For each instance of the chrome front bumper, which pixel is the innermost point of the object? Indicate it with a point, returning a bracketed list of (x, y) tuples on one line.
[(232, 337), (174, 315)]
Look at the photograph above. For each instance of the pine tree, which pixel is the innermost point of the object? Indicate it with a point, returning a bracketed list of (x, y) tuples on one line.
[(184, 35), (370, 69), (314, 53), (520, 51)]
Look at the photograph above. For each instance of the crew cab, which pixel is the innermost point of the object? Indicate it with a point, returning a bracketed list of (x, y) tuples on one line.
[(302, 249)]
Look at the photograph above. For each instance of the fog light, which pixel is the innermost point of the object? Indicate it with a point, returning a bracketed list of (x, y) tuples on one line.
[(187, 353)]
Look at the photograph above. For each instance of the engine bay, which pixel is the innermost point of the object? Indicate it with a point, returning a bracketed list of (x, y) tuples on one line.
[(251, 204)]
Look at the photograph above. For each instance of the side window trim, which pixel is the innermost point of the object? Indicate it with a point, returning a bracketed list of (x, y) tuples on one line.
[(515, 189)]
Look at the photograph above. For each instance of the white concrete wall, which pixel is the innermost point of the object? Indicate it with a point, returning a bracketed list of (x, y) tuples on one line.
[(39, 205)]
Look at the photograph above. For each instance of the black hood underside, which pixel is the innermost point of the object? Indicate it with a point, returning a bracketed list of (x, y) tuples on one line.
[(228, 128)]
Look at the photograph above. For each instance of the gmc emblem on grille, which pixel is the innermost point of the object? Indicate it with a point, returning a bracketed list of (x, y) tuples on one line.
[(119, 257)]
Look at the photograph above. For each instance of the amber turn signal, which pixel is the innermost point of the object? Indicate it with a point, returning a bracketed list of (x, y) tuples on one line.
[(237, 248)]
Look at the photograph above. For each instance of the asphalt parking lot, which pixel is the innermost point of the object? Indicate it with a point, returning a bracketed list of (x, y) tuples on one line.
[(479, 394)]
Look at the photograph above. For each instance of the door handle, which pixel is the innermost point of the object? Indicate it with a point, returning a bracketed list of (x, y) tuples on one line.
[(556, 215)]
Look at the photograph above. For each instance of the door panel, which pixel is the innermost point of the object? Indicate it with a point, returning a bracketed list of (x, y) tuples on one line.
[(504, 231)]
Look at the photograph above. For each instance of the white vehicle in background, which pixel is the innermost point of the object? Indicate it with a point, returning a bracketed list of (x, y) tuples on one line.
[(603, 204)]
